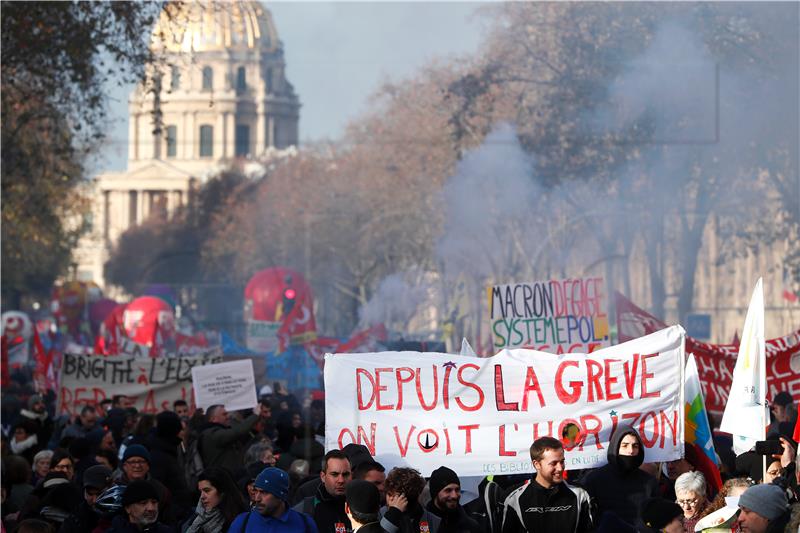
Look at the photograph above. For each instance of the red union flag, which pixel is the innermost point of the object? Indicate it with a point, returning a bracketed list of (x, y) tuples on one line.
[(715, 362)]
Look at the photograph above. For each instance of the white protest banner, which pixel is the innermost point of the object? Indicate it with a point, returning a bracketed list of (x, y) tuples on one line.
[(480, 416), (150, 384), (556, 316), (230, 384)]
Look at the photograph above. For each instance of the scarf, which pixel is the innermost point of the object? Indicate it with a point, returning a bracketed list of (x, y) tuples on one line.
[(19, 447), (206, 521)]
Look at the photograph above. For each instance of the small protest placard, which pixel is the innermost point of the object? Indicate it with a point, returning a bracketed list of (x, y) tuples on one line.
[(230, 384)]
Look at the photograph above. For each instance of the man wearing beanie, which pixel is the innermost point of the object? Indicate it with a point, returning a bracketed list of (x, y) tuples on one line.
[(140, 501), (547, 502), (445, 489), (135, 466), (271, 513), (763, 509), (362, 505), (95, 480)]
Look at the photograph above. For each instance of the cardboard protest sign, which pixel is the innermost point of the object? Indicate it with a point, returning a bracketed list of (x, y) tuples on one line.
[(230, 384), (150, 384), (556, 316), (480, 416)]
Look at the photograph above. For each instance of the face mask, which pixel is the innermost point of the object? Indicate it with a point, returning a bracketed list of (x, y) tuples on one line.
[(628, 463)]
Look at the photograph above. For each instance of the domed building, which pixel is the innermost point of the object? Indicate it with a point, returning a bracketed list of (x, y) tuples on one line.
[(220, 94)]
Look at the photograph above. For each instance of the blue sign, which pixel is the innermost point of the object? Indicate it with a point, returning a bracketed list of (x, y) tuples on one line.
[(698, 326)]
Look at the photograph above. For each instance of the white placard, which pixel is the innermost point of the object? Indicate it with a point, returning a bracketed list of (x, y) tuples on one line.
[(479, 416), (230, 384)]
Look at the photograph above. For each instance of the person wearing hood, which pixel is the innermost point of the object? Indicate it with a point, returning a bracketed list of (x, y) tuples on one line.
[(163, 444), (40, 422), (445, 489), (326, 507), (547, 502), (620, 488)]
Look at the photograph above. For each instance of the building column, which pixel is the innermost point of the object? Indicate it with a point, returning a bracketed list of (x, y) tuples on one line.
[(271, 130), (260, 125), (219, 137), (230, 128)]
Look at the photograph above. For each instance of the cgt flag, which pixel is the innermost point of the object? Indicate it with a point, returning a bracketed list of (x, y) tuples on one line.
[(745, 415), (698, 432)]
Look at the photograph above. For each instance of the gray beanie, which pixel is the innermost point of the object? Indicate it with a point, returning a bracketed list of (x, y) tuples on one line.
[(768, 501)]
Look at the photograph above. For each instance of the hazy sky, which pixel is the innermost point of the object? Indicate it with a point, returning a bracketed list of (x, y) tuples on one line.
[(337, 54)]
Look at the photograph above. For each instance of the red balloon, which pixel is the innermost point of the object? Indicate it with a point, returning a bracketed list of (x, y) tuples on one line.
[(282, 295), (148, 317)]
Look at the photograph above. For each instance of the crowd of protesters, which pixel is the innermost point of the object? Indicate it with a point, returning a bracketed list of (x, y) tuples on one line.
[(110, 468)]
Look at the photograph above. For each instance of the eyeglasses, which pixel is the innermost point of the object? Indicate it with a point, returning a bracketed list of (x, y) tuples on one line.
[(60, 467), (687, 503), (135, 463)]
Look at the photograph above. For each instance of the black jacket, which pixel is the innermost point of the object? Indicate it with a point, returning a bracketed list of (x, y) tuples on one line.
[(166, 468), (415, 519), (617, 490), (457, 521), (83, 520), (326, 509), (534, 508), (121, 524)]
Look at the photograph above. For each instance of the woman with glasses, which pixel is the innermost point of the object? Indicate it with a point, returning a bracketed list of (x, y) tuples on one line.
[(63, 462), (690, 488)]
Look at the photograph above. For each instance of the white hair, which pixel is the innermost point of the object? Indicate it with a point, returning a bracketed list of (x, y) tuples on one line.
[(691, 482), (42, 455)]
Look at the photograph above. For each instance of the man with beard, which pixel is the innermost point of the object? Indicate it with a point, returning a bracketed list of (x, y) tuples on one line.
[(620, 488), (140, 502), (445, 488), (271, 514), (547, 503), (40, 422), (327, 505)]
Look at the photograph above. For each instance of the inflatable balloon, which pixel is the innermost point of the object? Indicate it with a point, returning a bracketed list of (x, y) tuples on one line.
[(278, 310), (18, 330), (149, 320)]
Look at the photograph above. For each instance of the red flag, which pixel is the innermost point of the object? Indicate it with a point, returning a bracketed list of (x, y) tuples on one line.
[(796, 435), (43, 360), (5, 379)]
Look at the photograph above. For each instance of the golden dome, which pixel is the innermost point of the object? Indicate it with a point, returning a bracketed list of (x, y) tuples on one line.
[(210, 26)]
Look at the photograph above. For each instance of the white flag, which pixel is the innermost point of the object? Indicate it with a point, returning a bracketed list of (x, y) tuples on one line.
[(745, 413), (466, 348)]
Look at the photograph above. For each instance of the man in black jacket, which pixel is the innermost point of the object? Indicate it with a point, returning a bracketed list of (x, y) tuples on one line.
[(547, 502), (327, 505), (362, 505), (621, 487), (445, 488), (95, 480)]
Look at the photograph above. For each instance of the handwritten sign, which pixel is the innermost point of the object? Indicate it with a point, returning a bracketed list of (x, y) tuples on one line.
[(480, 416), (149, 384), (555, 316), (230, 384)]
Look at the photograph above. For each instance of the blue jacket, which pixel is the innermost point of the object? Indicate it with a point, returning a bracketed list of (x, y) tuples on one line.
[(289, 522)]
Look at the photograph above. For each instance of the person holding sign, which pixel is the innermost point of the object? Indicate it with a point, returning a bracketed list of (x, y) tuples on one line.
[(222, 443), (547, 502), (620, 488)]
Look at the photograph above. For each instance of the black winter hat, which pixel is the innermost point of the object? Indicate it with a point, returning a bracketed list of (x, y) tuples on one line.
[(168, 424), (657, 513), (363, 497), (138, 491), (440, 478)]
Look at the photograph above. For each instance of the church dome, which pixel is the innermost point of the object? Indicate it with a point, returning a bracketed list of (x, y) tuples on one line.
[(215, 26)]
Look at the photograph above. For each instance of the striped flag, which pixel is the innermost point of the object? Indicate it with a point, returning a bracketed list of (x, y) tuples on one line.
[(698, 432)]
